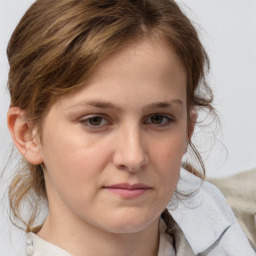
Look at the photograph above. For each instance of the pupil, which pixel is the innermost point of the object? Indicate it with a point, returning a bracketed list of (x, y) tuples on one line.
[(157, 119), (95, 120)]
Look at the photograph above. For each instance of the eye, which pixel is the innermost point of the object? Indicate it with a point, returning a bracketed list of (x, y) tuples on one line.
[(159, 119), (94, 121)]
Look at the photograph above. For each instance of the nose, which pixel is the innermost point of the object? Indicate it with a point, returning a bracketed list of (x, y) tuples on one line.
[(130, 153)]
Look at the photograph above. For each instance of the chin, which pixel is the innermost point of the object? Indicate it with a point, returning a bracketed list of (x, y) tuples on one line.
[(130, 223)]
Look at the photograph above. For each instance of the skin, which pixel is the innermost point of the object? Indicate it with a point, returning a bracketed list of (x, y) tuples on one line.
[(128, 124)]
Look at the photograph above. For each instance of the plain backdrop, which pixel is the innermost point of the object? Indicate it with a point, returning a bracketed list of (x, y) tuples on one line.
[(228, 31)]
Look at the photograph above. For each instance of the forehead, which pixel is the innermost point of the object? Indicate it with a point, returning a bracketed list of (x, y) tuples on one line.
[(149, 68), (149, 51)]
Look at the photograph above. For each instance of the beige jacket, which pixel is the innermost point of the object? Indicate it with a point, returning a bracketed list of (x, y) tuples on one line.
[(240, 193)]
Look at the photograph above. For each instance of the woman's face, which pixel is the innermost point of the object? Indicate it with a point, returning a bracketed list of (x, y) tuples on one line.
[(112, 151)]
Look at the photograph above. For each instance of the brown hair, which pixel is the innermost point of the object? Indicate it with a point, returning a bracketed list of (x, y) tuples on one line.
[(58, 44)]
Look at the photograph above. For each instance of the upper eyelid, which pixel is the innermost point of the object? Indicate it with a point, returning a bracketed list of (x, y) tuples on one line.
[(87, 117), (171, 117), (107, 117)]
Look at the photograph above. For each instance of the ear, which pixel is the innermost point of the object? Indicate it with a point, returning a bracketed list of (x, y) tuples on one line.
[(24, 135)]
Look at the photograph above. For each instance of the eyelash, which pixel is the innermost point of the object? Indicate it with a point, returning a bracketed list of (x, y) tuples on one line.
[(86, 121), (168, 120)]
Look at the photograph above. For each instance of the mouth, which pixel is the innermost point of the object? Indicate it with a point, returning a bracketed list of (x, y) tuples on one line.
[(128, 191)]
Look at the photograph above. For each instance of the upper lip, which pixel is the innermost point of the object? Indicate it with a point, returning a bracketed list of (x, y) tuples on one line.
[(128, 186)]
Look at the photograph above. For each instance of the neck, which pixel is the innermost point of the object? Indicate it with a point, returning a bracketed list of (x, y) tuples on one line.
[(80, 238)]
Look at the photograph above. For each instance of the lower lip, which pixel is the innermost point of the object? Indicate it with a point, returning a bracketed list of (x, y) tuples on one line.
[(128, 193)]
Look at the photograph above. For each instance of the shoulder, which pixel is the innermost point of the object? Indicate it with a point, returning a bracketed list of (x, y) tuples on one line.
[(205, 219)]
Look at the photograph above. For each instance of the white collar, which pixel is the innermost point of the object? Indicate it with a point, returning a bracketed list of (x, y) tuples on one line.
[(36, 246), (204, 216)]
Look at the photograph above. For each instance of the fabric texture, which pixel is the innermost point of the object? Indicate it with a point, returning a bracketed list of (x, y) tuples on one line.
[(205, 224), (240, 193), (36, 246)]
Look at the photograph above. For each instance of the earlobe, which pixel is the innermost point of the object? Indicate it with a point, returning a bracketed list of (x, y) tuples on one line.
[(24, 135)]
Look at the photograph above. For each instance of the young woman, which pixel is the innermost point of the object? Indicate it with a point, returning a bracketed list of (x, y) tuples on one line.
[(104, 99)]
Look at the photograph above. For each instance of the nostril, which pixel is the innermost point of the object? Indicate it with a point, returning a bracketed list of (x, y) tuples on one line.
[(124, 167)]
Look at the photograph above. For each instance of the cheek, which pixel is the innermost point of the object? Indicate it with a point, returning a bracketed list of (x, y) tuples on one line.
[(166, 160), (169, 152), (72, 150), (74, 165)]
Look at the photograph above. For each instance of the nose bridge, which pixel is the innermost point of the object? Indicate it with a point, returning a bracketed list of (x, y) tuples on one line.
[(131, 151), (134, 140)]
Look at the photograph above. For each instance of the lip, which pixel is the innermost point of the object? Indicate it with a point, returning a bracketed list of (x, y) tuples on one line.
[(128, 191)]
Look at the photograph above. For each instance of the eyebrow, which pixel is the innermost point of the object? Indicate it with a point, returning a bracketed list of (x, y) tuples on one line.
[(100, 104), (165, 104), (108, 105)]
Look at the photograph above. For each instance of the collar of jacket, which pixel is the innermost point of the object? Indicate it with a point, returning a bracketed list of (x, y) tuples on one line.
[(200, 211)]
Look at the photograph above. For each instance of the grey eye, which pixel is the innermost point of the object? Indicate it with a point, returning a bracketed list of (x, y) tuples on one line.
[(157, 119), (95, 121)]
